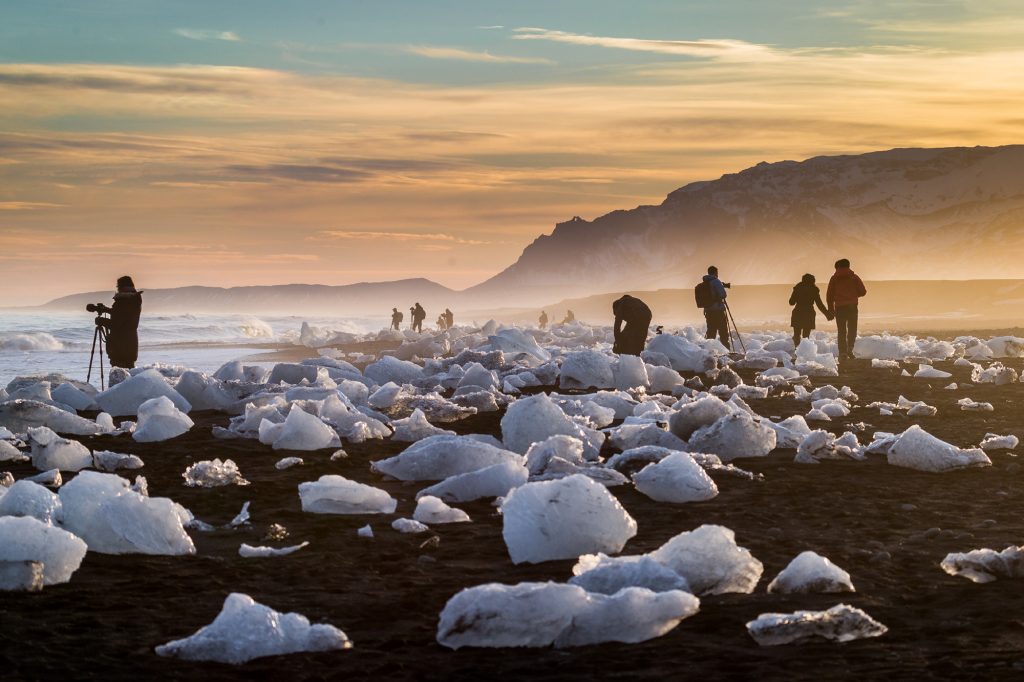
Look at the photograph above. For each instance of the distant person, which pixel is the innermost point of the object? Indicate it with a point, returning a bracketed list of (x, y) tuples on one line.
[(442, 323), (396, 319), (844, 290), (637, 316), (449, 319), (803, 299), (569, 317), (418, 315), (123, 326), (714, 307), (543, 319)]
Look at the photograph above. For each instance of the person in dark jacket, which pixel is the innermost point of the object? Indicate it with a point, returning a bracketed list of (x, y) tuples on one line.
[(123, 326), (570, 317), (803, 299), (844, 290), (396, 319), (637, 316), (543, 319), (449, 318), (418, 315), (715, 314)]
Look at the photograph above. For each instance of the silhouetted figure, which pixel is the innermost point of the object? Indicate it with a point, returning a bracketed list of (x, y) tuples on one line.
[(123, 326), (569, 317), (803, 299), (844, 290), (543, 319), (637, 316), (396, 319), (449, 319), (714, 311), (442, 323), (418, 315)]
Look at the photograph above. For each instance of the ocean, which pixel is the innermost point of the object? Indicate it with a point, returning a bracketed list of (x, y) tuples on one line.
[(40, 343)]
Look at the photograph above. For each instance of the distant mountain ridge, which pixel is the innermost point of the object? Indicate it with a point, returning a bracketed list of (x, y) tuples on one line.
[(899, 214), (367, 298)]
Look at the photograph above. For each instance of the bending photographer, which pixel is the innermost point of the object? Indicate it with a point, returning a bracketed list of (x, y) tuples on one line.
[(637, 316), (123, 325)]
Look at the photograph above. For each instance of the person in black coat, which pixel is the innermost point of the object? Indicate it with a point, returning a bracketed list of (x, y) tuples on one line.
[(803, 299), (123, 326), (637, 316)]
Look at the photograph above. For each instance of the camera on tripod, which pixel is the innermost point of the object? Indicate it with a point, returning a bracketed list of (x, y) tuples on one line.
[(99, 336)]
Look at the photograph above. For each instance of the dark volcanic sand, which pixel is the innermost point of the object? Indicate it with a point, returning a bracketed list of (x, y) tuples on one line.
[(386, 593)]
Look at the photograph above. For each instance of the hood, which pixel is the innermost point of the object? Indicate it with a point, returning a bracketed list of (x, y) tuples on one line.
[(709, 278), (844, 272)]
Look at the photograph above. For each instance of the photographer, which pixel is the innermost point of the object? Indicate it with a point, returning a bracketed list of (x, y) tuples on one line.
[(714, 313), (637, 316), (123, 325)]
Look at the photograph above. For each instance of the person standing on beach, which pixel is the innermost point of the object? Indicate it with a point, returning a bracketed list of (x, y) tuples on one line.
[(804, 297), (637, 316), (543, 319), (449, 318), (396, 319), (418, 315), (123, 326), (715, 311), (569, 317), (844, 290)]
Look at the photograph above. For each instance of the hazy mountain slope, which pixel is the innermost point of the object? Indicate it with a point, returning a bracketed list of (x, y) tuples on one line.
[(951, 213)]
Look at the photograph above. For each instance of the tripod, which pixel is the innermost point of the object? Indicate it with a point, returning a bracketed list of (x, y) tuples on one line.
[(735, 328), (99, 336)]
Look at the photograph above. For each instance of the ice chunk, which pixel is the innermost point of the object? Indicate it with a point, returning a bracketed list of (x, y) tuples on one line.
[(241, 518), (365, 531), (26, 498), (287, 463), (245, 630), (540, 454), (994, 441), (385, 396), (531, 420), (50, 451), (9, 453), (692, 416), (915, 448), (790, 432), (203, 392), (27, 538), (586, 369), (416, 427), (683, 355), (21, 576), (21, 415), (629, 436), (159, 420), (51, 478), (409, 526), (112, 518), (562, 519), (303, 431), (430, 510), (250, 552), (820, 444), (735, 436), (986, 565), (841, 623), (390, 369), (333, 494), (607, 575), (542, 614), (438, 457), (69, 394), (125, 398), (929, 372), (518, 342), (810, 572), (968, 405), (105, 460), (631, 372), (711, 561), (492, 481), (676, 478), (213, 473)]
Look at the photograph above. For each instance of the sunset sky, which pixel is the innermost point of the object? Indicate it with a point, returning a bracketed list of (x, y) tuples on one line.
[(264, 142)]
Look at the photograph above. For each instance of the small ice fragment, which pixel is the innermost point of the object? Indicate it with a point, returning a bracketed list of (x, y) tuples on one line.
[(250, 552), (409, 526), (241, 518), (365, 532), (287, 462)]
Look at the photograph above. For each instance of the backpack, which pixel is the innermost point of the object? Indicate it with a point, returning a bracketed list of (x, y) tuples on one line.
[(704, 296)]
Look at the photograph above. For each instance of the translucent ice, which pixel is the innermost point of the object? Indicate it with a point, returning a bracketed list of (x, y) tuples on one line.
[(333, 494), (105, 460), (683, 355), (994, 441), (50, 451), (416, 427), (586, 369), (431, 510), (409, 526), (390, 369), (21, 415), (841, 623), (26, 498), (692, 416), (438, 457), (735, 436), (493, 481), (303, 431), (986, 565), (531, 420), (160, 419), (915, 448), (125, 398), (562, 519), (250, 552), (676, 478), (711, 561), (542, 614), (213, 473), (28, 539), (810, 572), (203, 392), (566, 447), (69, 394), (607, 575), (929, 372), (245, 630), (103, 510)]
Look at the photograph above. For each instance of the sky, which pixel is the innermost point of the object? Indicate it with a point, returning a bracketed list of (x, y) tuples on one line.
[(245, 142)]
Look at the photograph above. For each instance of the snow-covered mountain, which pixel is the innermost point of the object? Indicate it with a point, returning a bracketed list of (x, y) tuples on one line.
[(953, 213)]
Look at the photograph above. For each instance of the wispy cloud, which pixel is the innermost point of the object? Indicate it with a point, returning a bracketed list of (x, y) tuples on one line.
[(207, 34), (26, 205), (704, 48), (491, 28), (424, 238), (459, 54)]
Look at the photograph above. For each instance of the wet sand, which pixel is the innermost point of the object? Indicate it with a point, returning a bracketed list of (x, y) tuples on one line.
[(870, 518)]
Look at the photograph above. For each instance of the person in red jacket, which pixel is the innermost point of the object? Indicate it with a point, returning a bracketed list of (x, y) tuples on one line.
[(844, 290)]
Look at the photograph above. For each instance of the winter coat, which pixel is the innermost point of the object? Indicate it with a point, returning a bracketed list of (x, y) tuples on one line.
[(804, 298), (123, 330), (844, 288), (718, 290)]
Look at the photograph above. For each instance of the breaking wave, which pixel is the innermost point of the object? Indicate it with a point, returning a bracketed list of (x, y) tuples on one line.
[(29, 341)]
